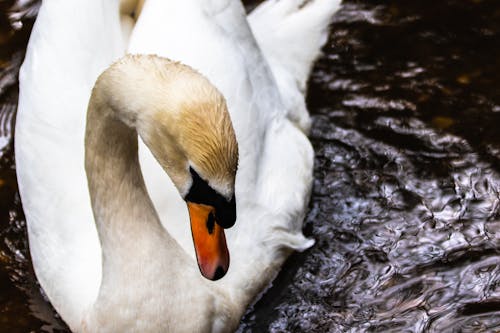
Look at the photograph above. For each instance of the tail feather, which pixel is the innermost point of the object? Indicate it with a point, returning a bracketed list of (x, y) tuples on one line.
[(291, 34)]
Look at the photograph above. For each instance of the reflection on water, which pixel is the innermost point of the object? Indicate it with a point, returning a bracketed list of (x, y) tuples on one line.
[(406, 202)]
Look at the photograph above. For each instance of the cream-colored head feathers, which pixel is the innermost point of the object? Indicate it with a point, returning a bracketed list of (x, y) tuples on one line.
[(208, 137), (179, 114)]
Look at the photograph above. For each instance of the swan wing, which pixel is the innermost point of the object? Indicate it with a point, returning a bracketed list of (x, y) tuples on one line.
[(278, 27), (71, 43)]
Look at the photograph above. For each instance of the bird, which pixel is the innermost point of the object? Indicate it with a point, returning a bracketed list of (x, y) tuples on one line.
[(110, 241)]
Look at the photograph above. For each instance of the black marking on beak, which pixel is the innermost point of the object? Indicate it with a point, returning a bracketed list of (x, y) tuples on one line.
[(210, 223), (201, 193), (226, 213)]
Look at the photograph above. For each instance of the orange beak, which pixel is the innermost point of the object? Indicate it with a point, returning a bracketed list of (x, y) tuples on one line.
[(209, 241)]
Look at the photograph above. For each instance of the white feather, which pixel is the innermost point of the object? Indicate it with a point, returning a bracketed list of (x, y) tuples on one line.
[(291, 34)]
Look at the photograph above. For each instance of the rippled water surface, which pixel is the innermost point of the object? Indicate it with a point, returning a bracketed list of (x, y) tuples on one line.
[(406, 202)]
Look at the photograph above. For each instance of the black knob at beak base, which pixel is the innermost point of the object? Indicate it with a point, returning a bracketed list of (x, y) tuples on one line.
[(225, 213)]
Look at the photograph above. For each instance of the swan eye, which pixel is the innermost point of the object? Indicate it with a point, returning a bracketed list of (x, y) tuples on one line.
[(201, 193)]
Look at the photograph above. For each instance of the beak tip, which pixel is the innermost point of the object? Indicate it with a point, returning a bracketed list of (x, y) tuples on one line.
[(218, 274)]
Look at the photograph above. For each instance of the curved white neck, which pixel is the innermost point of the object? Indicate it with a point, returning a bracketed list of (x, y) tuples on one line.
[(126, 220), (141, 261)]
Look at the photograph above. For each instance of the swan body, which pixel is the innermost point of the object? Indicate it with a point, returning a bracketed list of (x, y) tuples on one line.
[(71, 44)]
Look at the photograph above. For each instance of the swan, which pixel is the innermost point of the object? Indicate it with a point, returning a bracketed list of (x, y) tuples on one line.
[(113, 254)]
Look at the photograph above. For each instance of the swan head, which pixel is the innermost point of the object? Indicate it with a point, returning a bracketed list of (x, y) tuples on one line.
[(190, 133)]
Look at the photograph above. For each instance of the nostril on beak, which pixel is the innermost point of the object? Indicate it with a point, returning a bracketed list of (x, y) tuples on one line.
[(219, 273)]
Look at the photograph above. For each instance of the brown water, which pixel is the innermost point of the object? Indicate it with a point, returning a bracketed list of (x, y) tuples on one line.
[(406, 202)]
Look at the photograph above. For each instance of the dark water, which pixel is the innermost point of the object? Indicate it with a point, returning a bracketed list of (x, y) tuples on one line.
[(406, 202)]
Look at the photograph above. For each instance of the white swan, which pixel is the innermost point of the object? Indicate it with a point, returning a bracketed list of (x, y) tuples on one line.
[(159, 286)]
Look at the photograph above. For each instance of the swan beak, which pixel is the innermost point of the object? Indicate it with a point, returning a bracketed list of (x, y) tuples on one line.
[(209, 241)]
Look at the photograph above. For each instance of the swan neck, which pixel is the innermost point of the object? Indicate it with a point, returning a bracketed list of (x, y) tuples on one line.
[(119, 106), (122, 208)]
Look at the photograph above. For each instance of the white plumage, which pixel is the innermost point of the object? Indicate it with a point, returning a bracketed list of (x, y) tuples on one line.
[(73, 42)]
